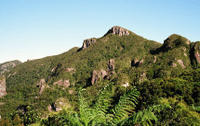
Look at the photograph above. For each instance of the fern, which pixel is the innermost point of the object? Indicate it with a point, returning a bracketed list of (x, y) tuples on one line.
[(125, 106)]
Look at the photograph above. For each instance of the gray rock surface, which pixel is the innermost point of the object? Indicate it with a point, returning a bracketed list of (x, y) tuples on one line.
[(63, 83), (88, 42), (2, 86), (98, 75), (117, 30), (7, 66)]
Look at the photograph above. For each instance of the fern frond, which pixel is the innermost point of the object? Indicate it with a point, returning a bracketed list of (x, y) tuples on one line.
[(125, 106)]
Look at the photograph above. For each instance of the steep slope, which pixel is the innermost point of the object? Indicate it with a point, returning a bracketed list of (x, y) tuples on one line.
[(120, 57)]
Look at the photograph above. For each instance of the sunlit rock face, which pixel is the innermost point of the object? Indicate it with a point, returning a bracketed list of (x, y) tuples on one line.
[(117, 30)]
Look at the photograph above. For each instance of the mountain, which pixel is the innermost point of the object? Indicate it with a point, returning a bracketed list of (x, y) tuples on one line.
[(118, 79)]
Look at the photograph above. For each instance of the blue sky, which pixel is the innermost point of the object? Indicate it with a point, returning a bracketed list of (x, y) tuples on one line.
[(31, 29)]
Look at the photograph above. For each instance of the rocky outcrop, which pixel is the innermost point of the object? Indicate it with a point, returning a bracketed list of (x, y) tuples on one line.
[(59, 104), (180, 62), (98, 75), (62, 83), (70, 70), (6, 67), (88, 42), (111, 65), (2, 86), (117, 30), (42, 85), (195, 52), (136, 62)]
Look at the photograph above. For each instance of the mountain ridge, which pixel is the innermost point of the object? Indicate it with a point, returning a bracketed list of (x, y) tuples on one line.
[(120, 58)]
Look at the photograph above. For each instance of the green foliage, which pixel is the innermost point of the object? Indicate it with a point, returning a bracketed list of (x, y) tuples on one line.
[(126, 106), (24, 115)]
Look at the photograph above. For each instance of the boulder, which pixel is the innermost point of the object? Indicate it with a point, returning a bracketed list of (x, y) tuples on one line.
[(63, 83), (98, 75), (41, 85), (88, 42), (180, 62), (70, 70), (117, 30), (2, 86), (59, 104)]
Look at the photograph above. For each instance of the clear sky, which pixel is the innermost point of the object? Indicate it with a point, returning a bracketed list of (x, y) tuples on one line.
[(31, 29)]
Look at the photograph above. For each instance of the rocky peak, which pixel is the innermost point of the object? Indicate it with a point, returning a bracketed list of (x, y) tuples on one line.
[(88, 42), (117, 30), (175, 41)]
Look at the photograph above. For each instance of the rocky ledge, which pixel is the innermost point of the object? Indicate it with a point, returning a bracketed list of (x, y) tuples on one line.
[(88, 42)]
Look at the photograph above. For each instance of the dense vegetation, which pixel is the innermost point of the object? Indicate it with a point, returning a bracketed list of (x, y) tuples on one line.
[(149, 84)]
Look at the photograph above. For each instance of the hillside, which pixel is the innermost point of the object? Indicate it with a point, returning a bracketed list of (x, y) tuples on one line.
[(118, 79)]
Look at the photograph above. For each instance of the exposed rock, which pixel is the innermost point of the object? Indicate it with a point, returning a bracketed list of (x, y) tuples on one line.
[(55, 71), (125, 84), (155, 59), (174, 64), (98, 75), (181, 63), (195, 52), (142, 77), (136, 62), (7, 66), (50, 108), (185, 54), (2, 86), (70, 70), (42, 85), (60, 104), (63, 83), (88, 42), (197, 56), (117, 30), (71, 91), (111, 65)]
